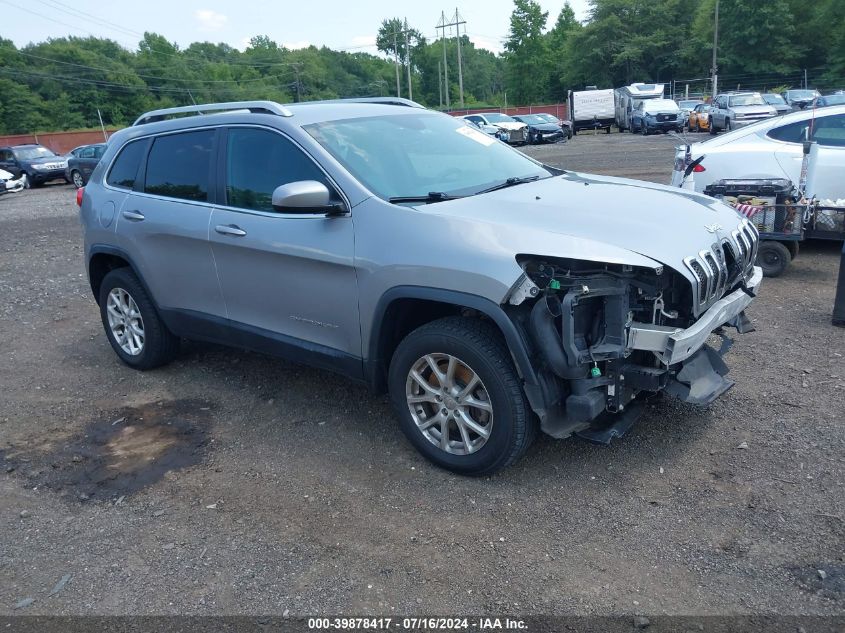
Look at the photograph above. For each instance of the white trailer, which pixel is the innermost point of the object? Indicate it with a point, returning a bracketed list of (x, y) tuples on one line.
[(591, 110), (627, 98)]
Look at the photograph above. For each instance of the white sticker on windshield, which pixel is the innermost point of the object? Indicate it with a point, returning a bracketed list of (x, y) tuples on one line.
[(475, 135)]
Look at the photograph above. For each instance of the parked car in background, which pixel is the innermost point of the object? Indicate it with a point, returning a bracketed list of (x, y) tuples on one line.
[(8, 183), (489, 130), (773, 148), (81, 164), (735, 109), (798, 99), (566, 126), (777, 102), (699, 118), (829, 100), (540, 130), (35, 163), (511, 130), (686, 106), (656, 115)]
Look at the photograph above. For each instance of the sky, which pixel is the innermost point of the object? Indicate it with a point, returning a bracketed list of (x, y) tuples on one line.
[(338, 24)]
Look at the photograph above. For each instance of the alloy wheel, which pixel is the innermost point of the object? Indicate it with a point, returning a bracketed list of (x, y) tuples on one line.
[(125, 322), (449, 404)]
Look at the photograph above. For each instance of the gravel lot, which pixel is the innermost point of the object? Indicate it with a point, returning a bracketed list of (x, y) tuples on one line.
[(230, 483)]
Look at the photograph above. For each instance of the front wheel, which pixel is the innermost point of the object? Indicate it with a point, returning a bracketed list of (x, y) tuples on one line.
[(711, 127), (773, 258), (644, 129), (76, 178), (727, 125), (458, 397)]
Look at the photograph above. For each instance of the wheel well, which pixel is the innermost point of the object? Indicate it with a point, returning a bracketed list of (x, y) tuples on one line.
[(100, 265)]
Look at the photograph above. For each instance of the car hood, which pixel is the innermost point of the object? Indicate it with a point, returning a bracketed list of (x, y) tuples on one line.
[(510, 125), (753, 109), (597, 218), (45, 160), (545, 127)]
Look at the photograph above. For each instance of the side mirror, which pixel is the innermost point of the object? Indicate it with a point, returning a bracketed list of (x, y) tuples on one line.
[(305, 196)]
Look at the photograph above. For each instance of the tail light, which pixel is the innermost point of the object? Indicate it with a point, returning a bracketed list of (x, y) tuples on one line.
[(698, 168), (79, 194)]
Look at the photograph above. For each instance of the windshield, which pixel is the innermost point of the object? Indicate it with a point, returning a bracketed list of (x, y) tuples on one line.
[(802, 94), (551, 118), (532, 118), (496, 117), (417, 153), (747, 100), (688, 105), (28, 153), (773, 99), (660, 105)]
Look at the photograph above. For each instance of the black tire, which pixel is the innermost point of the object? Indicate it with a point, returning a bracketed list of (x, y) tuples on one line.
[(607, 130), (160, 346), (793, 249), (773, 258), (77, 179), (711, 127), (644, 129), (481, 347), (569, 133), (693, 129), (727, 125)]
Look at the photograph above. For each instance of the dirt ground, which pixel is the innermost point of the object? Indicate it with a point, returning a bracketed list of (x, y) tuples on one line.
[(230, 483)]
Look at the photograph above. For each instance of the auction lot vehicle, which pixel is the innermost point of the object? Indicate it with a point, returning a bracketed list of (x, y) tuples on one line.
[(591, 110), (33, 164), (686, 107), (540, 130), (800, 98), (510, 130), (699, 118), (627, 98), (8, 183), (773, 148), (657, 115), (81, 163), (735, 109), (777, 102), (487, 293), (566, 126)]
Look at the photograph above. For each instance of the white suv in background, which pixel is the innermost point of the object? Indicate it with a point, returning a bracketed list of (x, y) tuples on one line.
[(773, 149)]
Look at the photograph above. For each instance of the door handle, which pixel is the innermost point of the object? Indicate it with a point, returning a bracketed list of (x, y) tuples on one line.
[(135, 216), (230, 229)]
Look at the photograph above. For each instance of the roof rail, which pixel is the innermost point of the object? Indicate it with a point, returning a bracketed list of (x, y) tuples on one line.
[(401, 101), (261, 107)]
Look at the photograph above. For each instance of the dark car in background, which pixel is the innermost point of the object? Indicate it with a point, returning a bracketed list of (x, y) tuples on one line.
[(800, 98), (82, 162), (36, 162), (777, 102), (829, 100), (566, 126), (540, 130)]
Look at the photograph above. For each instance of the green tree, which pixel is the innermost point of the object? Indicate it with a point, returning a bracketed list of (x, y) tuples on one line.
[(525, 57)]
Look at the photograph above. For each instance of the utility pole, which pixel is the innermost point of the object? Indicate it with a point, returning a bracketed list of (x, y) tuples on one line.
[(396, 64), (408, 53), (715, 68), (296, 74), (442, 24), (460, 65), (439, 82)]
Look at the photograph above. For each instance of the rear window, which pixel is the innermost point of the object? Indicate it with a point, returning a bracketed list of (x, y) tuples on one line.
[(179, 165), (125, 167)]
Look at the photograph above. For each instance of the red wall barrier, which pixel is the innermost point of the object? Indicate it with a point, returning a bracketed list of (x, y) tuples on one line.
[(59, 142)]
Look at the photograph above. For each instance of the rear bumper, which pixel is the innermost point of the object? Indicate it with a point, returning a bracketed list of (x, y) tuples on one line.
[(674, 345)]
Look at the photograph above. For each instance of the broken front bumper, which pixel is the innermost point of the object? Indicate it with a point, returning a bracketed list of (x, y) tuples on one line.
[(674, 345)]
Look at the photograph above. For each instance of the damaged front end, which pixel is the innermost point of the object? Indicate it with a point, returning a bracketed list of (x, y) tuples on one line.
[(605, 333)]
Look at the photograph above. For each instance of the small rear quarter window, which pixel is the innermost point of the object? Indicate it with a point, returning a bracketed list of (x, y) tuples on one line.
[(125, 168)]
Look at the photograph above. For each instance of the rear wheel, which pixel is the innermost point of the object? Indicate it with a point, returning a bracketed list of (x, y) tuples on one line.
[(693, 128), (711, 127), (727, 125), (136, 332), (76, 179), (773, 258), (458, 396)]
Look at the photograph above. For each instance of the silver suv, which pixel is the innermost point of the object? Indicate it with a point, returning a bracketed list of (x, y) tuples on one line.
[(736, 109), (491, 295)]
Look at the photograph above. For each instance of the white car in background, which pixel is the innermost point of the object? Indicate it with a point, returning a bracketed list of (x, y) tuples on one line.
[(773, 148), (510, 130)]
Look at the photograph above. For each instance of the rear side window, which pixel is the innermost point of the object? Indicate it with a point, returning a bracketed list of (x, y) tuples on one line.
[(179, 165), (125, 167), (828, 131), (258, 161)]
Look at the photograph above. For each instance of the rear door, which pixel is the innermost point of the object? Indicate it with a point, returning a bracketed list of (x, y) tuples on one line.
[(163, 223), (285, 276)]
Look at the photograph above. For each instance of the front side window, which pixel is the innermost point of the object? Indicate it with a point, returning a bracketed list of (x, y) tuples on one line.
[(421, 152), (178, 165), (86, 152), (258, 161), (125, 167)]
